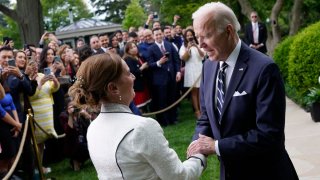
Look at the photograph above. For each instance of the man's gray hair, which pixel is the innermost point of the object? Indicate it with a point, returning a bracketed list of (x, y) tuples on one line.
[(218, 15)]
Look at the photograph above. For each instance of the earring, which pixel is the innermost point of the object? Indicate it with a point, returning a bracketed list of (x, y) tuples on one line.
[(120, 98)]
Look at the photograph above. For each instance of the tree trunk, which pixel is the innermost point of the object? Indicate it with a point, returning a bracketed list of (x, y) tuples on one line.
[(28, 15), (30, 20), (295, 17), (246, 8), (276, 34)]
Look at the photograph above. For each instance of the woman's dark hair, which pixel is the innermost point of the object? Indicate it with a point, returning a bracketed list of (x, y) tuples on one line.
[(186, 41), (43, 58), (110, 41), (84, 52)]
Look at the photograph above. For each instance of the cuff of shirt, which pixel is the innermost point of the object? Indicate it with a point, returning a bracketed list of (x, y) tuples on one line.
[(158, 64), (216, 146), (202, 158)]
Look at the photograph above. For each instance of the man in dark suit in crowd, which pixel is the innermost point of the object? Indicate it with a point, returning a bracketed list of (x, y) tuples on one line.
[(95, 45), (256, 34), (164, 65), (242, 102)]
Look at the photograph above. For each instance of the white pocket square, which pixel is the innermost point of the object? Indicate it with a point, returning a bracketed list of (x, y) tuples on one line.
[(239, 94)]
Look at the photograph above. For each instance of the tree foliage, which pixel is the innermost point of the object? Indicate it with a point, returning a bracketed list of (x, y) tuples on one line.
[(134, 15), (56, 13), (304, 64), (113, 9), (28, 15), (11, 30), (3, 23)]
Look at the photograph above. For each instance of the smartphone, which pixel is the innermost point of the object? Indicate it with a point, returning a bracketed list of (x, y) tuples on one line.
[(11, 62), (167, 54), (46, 71), (57, 59), (6, 40), (155, 16)]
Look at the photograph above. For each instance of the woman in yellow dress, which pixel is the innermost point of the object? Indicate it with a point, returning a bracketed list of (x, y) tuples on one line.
[(42, 105)]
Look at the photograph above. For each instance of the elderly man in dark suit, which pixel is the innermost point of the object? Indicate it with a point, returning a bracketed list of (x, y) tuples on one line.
[(242, 102), (256, 34), (164, 65)]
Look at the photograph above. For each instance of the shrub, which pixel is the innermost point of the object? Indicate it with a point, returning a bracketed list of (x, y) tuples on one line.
[(304, 59), (281, 56)]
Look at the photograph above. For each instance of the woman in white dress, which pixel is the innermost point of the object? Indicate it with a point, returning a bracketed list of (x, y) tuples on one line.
[(193, 56), (123, 145)]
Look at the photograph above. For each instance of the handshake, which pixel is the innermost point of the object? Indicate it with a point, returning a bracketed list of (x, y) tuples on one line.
[(204, 145)]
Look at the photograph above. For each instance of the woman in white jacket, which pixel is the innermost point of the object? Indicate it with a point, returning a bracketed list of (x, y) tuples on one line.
[(121, 144)]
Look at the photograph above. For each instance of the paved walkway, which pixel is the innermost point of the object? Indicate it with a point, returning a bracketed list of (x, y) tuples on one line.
[(303, 142)]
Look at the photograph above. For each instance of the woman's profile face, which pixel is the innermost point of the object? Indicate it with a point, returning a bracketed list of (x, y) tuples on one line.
[(125, 84)]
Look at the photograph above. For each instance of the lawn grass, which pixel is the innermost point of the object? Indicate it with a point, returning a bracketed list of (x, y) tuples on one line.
[(179, 137)]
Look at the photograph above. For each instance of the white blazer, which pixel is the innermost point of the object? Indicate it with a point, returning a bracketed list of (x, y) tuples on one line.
[(125, 146)]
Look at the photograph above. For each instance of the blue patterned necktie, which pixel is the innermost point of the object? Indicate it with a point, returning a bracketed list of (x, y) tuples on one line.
[(221, 88)]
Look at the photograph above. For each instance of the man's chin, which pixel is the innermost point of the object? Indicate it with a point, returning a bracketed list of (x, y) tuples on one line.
[(212, 58)]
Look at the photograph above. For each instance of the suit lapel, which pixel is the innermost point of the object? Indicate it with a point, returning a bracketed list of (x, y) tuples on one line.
[(238, 72)]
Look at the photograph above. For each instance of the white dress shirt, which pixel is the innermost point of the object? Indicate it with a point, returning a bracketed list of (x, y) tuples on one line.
[(231, 61)]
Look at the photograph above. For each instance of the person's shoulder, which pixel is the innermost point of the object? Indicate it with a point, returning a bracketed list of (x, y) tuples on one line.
[(254, 56), (145, 125), (128, 58)]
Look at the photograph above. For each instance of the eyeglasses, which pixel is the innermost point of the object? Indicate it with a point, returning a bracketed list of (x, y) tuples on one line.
[(254, 16)]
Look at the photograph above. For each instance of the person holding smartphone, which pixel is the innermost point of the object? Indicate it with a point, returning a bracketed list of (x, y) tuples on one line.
[(192, 55), (42, 104), (47, 60), (10, 125)]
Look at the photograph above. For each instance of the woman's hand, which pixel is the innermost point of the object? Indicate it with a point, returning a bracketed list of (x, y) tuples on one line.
[(59, 65), (44, 79), (190, 44), (14, 71), (17, 129), (144, 66), (29, 70)]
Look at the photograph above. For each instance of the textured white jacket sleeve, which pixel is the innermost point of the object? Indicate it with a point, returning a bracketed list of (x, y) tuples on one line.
[(151, 144)]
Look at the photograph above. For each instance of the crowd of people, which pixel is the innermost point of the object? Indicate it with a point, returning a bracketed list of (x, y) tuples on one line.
[(38, 77), (144, 70)]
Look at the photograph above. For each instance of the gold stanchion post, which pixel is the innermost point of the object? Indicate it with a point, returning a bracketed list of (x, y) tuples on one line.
[(35, 146)]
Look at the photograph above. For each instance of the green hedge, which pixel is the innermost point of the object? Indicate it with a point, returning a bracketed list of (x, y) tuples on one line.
[(304, 59), (281, 56)]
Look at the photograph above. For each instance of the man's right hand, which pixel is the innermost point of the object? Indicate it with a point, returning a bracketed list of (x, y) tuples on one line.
[(163, 60)]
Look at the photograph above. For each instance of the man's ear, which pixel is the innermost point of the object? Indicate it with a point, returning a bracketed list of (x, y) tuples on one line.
[(229, 29)]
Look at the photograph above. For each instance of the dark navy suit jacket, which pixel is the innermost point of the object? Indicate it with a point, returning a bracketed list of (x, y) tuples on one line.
[(167, 71), (262, 38), (251, 134)]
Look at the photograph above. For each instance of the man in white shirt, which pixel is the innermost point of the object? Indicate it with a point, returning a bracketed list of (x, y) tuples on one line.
[(256, 33)]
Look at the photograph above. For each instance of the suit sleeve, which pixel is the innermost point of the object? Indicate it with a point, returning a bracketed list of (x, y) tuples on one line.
[(264, 34), (176, 58), (203, 124), (151, 144), (268, 135), (152, 58), (248, 33)]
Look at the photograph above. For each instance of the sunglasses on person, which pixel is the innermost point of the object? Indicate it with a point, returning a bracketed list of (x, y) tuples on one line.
[(254, 16)]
